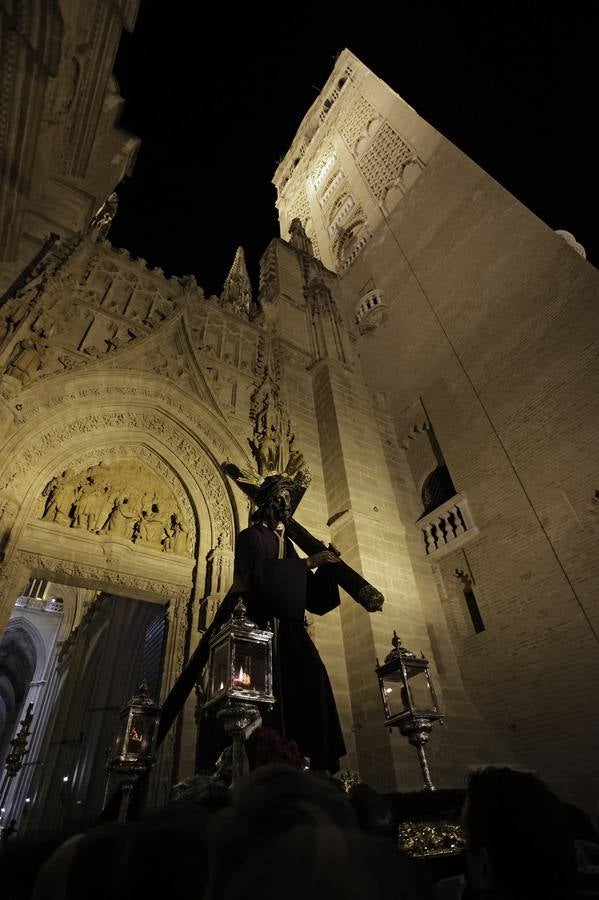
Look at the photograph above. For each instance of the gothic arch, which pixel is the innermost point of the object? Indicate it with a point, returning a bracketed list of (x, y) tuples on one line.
[(175, 433), (20, 623), (22, 660)]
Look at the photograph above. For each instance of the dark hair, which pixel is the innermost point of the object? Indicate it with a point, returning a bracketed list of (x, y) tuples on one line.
[(322, 862), (266, 746), (524, 829), (294, 834)]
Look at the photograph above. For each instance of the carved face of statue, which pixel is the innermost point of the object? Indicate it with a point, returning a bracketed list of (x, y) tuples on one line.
[(282, 505)]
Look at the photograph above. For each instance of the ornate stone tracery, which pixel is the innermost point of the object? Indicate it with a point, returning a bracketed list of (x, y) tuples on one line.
[(273, 440)]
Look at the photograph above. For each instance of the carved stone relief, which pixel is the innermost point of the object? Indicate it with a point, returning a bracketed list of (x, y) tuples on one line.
[(59, 568), (101, 303), (155, 393), (123, 498), (28, 355), (128, 420), (273, 441), (8, 512), (216, 336)]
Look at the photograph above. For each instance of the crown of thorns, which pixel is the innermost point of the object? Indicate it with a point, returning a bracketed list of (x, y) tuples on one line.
[(263, 492), (272, 486)]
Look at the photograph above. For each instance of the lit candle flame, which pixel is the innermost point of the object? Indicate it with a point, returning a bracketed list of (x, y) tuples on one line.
[(243, 678)]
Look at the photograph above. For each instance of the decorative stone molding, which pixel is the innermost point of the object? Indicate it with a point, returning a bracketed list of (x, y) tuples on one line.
[(105, 577), (350, 241), (155, 392), (371, 311), (448, 527), (324, 166), (571, 241), (273, 440), (331, 187)]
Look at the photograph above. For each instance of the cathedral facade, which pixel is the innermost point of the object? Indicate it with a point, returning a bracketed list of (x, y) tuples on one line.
[(423, 342)]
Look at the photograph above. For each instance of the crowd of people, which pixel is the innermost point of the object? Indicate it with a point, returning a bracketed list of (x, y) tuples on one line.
[(284, 831)]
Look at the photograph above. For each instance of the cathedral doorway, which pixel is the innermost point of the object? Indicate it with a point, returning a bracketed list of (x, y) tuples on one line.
[(77, 654)]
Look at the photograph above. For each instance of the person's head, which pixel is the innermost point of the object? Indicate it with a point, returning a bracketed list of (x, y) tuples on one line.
[(274, 500), (295, 834), (177, 838), (518, 840), (322, 861), (266, 746)]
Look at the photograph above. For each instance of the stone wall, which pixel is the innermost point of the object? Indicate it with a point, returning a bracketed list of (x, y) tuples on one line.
[(490, 327)]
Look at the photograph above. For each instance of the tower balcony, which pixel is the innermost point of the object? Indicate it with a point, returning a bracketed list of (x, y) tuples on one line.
[(447, 527)]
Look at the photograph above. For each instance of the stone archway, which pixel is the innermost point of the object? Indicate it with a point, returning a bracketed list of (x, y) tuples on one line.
[(22, 656), (181, 446)]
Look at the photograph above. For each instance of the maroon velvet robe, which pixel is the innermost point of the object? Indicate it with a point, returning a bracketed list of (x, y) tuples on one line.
[(283, 589)]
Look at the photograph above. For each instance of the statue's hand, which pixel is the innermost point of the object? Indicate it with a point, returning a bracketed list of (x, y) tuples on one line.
[(321, 559)]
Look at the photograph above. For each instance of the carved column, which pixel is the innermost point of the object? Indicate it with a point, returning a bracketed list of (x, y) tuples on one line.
[(13, 579), (219, 578), (174, 660)]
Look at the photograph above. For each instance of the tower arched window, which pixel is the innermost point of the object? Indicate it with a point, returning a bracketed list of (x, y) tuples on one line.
[(436, 489)]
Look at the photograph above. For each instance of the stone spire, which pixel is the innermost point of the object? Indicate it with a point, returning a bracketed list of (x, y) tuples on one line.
[(299, 239), (237, 289)]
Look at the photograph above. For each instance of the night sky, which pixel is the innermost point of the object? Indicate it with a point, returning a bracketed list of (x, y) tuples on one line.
[(217, 98)]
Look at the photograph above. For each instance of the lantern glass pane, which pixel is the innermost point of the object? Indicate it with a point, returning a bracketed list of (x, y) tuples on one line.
[(395, 694), (138, 736), (249, 669), (421, 695), (220, 671)]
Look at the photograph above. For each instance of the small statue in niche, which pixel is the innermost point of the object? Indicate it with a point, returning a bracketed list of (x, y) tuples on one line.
[(8, 511), (101, 222), (266, 451), (28, 357), (214, 568), (8, 325)]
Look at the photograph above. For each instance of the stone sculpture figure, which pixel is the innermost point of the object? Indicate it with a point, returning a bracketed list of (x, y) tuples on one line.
[(276, 584), (48, 493), (109, 498), (152, 529), (28, 357), (177, 541), (267, 451), (88, 507), (121, 520), (61, 498)]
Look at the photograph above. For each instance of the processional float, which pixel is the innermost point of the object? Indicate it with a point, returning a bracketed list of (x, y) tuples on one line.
[(347, 578)]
